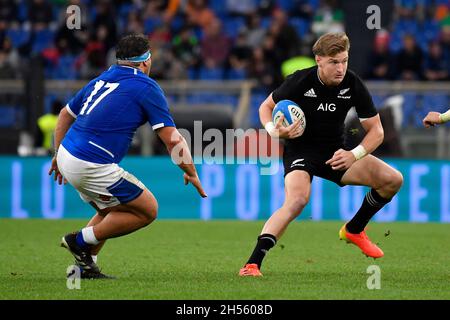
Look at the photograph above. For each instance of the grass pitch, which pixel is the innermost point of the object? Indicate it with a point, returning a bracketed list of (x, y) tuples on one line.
[(185, 260)]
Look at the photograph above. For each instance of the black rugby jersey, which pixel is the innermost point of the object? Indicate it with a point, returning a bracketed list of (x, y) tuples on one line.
[(325, 107)]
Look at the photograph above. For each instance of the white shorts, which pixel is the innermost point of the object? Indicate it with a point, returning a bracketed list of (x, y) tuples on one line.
[(106, 185)]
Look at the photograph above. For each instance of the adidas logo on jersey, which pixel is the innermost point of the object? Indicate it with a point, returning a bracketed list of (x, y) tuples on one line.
[(310, 93)]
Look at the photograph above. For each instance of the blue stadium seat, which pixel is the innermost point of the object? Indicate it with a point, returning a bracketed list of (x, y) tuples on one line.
[(22, 11), (435, 102), (210, 74), (378, 100), (236, 74), (230, 99), (219, 8), (201, 98), (286, 5), (151, 24), (211, 98), (265, 22), (192, 73), (410, 107), (8, 116), (232, 26), (430, 30), (256, 99), (18, 37), (301, 26), (406, 26), (177, 23), (314, 4), (65, 68), (395, 44), (48, 100), (42, 40)]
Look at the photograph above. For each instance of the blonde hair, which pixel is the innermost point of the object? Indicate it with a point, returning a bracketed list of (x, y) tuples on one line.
[(330, 44)]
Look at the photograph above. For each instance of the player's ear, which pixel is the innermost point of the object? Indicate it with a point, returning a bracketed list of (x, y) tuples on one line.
[(318, 59)]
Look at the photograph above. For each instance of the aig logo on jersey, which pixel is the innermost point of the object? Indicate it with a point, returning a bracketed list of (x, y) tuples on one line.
[(326, 107)]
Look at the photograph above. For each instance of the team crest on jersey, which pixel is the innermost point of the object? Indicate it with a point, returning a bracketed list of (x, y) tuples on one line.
[(297, 163), (342, 92), (310, 93)]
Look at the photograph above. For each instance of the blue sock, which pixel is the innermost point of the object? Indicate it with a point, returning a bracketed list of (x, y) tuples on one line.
[(80, 240)]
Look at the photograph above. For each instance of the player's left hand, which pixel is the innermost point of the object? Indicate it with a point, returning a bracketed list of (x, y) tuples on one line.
[(341, 160), (58, 176), (431, 119), (196, 183)]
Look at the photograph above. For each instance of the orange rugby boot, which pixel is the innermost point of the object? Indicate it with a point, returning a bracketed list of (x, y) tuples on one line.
[(362, 241), (250, 269)]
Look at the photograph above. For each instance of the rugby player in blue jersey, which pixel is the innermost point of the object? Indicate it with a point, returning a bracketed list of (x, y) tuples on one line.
[(93, 134)]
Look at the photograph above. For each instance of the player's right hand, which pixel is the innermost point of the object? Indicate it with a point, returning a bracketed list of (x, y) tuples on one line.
[(58, 176), (290, 132), (196, 183), (431, 119)]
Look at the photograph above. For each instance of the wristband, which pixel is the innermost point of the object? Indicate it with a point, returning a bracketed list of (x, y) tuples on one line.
[(270, 128), (445, 117), (359, 152)]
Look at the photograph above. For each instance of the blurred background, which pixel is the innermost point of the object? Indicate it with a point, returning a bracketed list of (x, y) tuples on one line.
[(217, 61), (227, 55)]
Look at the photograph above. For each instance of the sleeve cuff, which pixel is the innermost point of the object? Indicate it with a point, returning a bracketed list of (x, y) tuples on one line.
[(158, 125), (70, 111)]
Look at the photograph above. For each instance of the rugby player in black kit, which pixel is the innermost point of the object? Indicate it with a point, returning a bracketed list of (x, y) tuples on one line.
[(326, 93)]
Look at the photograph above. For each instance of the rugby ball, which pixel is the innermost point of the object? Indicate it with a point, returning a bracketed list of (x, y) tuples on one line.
[(291, 112)]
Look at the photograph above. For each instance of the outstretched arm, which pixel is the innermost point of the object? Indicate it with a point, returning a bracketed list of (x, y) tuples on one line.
[(65, 120), (433, 118), (181, 155)]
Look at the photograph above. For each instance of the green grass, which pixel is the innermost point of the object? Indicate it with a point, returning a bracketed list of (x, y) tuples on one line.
[(200, 260)]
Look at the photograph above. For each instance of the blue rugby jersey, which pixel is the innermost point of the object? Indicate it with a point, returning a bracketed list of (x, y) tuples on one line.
[(108, 111)]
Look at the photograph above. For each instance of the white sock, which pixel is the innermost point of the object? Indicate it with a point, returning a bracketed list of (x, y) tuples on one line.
[(94, 258), (89, 236)]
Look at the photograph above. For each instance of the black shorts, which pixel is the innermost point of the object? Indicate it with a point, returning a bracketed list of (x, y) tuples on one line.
[(312, 160)]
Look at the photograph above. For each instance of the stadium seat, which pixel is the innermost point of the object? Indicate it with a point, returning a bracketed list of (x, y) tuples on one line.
[(378, 100), (301, 26), (233, 25), (192, 73), (177, 23), (219, 8), (286, 5), (22, 11), (65, 69), (18, 37), (42, 40), (410, 106), (265, 22), (403, 27), (236, 74), (210, 74), (151, 24), (7, 116), (430, 30), (256, 99), (435, 102)]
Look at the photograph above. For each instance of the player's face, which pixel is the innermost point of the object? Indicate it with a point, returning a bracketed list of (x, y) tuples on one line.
[(332, 69)]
